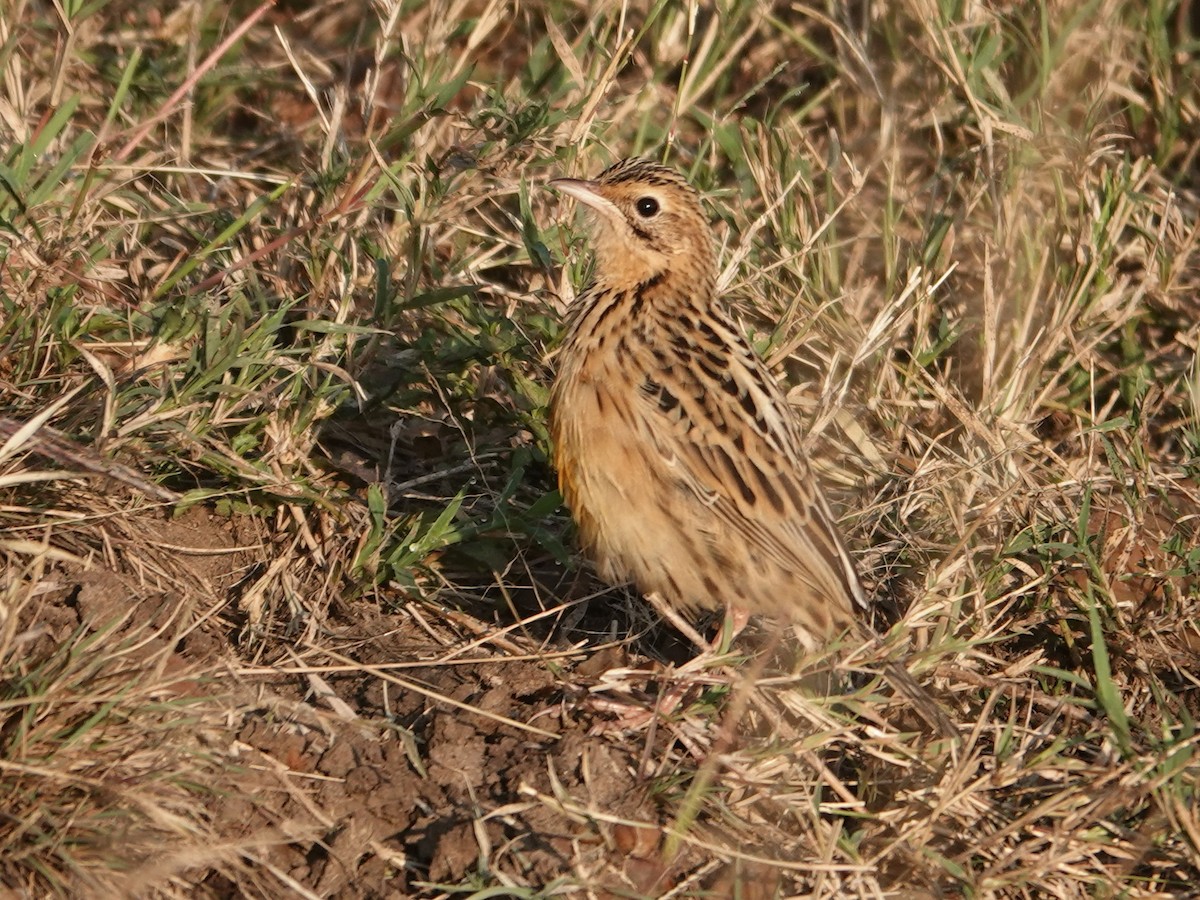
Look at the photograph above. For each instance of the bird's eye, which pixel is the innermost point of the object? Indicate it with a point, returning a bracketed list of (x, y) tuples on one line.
[(647, 207)]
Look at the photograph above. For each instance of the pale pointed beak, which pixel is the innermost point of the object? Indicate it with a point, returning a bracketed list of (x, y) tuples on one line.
[(586, 192)]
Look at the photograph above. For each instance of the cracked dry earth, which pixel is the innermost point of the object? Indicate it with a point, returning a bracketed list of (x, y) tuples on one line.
[(362, 756)]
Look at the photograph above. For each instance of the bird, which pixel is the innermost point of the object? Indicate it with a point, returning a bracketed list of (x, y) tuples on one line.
[(677, 452)]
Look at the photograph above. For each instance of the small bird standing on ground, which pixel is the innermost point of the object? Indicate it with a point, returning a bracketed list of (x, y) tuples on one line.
[(676, 450)]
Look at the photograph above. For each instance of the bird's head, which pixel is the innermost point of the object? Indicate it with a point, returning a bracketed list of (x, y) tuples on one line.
[(647, 222)]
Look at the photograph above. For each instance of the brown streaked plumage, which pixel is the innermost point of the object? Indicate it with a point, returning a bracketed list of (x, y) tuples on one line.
[(676, 450)]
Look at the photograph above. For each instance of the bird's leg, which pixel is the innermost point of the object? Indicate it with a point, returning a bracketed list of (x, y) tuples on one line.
[(682, 625), (733, 624), (735, 620)]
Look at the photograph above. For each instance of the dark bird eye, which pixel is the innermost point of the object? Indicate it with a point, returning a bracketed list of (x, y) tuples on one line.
[(647, 207)]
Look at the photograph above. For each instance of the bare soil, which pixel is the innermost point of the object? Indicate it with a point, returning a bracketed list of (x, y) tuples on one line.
[(388, 765)]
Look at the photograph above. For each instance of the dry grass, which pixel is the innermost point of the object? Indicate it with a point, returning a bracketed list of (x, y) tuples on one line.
[(278, 287)]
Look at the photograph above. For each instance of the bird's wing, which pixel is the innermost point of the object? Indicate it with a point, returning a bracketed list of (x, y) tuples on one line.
[(720, 421)]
